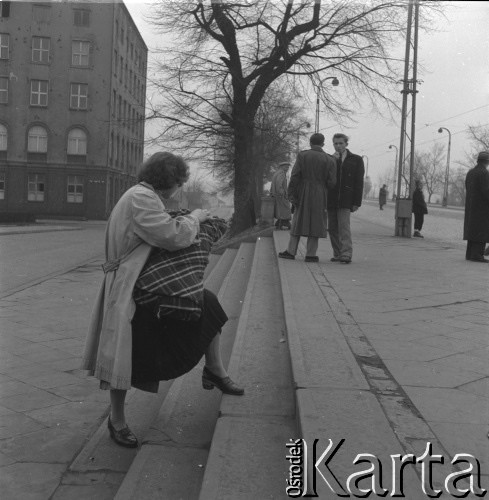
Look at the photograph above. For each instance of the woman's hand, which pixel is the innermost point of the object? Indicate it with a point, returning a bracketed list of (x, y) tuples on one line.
[(201, 215)]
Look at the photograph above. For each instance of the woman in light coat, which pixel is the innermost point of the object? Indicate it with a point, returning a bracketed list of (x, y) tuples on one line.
[(137, 223)]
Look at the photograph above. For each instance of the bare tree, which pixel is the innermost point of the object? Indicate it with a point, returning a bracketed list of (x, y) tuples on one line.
[(429, 168), (478, 136), (456, 183), (226, 55), (279, 122)]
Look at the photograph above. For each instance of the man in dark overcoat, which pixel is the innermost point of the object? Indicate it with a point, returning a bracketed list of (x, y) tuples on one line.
[(344, 198), (476, 220), (313, 174)]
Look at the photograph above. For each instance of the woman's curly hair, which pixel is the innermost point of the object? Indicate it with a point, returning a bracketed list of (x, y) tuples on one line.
[(164, 170)]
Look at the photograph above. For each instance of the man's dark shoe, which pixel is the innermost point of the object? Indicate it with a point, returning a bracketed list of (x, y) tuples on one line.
[(286, 255), (334, 259), (481, 259), (345, 261), (311, 258)]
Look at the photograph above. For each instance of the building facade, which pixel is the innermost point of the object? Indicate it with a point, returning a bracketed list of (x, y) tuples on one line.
[(72, 96)]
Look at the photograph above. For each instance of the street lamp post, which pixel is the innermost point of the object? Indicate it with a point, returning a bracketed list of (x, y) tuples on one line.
[(395, 172), (445, 190), (335, 82)]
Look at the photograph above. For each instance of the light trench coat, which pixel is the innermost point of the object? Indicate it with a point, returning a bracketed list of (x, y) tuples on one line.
[(278, 190), (137, 223)]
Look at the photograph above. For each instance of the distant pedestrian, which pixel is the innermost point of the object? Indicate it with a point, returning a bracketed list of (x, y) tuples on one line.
[(420, 209), (382, 196), (313, 174), (345, 197), (476, 221), (278, 190)]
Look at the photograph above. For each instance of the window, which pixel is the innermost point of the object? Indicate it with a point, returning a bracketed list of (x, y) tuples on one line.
[(40, 49), (3, 89), (35, 187), (3, 137), (81, 17), (114, 103), (116, 62), (121, 69), (122, 35), (78, 96), (41, 13), (39, 92), (77, 142), (4, 9), (37, 140), (79, 53), (2, 185), (75, 189), (4, 46)]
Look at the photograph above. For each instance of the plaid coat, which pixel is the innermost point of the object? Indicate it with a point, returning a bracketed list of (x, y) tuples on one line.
[(171, 283)]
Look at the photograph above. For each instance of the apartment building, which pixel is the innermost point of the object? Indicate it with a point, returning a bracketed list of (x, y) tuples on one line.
[(72, 100)]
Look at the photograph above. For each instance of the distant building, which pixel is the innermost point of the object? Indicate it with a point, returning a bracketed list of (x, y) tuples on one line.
[(72, 95)]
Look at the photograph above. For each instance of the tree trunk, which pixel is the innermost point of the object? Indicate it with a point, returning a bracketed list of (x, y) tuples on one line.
[(244, 208)]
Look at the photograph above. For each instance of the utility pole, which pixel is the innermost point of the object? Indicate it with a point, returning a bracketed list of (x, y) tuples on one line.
[(447, 172), (404, 206), (395, 172)]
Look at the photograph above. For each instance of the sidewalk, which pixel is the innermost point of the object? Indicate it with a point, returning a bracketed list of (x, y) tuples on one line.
[(416, 317), (45, 226), (418, 305)]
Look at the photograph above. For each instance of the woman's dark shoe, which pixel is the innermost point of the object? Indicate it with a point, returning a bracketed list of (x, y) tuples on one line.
[(123, 437), (226, 385)]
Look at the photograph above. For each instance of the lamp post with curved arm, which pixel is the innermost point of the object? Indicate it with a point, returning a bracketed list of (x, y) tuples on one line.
[(395, 172), (335, 82), (445, 190)]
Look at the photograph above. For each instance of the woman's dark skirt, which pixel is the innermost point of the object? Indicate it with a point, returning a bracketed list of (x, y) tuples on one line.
[(168, 348)]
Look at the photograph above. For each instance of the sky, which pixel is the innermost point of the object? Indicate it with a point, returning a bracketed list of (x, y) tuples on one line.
[(454, 93)]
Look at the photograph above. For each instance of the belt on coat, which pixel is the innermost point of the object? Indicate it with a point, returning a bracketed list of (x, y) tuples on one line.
[(112, 265)]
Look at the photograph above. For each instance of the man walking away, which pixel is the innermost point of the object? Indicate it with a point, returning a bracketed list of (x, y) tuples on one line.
[(420, 209), (344, 198), (278, 190), (313, 174), (382, 196), (476, 220)]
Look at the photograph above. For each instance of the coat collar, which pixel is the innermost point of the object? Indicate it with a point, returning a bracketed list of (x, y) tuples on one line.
[(317, 148), (147, 185)]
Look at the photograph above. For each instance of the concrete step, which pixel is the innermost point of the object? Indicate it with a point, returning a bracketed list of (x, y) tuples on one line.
[(215, 277), (171, 461), (246, 459), (213, 260), (334, 400), (100, 465)]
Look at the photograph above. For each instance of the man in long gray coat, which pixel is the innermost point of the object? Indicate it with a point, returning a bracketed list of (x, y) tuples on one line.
[(278, 190), (476, 220), (313, 174)]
